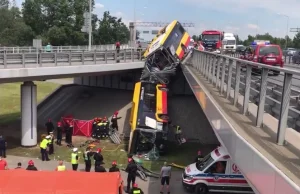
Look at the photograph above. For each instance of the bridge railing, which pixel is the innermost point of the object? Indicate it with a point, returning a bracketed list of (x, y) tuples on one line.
[(61, 48), (255, 84), (10, 60)]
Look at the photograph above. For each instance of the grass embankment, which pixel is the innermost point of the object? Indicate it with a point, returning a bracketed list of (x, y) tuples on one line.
[(10, 117)]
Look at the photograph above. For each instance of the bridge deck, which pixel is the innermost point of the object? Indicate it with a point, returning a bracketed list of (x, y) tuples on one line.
[(286, 158)]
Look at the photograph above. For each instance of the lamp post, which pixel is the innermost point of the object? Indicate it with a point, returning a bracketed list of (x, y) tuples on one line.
[(90, 25), (287, 28)]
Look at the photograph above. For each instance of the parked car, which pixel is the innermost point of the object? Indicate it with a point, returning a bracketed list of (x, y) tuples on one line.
[(291, 51), (240, 49)]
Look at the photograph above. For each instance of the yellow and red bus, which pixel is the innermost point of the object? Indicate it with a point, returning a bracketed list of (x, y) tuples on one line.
[(149, 115), (172, 39)]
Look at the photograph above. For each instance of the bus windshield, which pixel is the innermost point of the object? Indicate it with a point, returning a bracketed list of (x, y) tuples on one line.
[(215, 37)]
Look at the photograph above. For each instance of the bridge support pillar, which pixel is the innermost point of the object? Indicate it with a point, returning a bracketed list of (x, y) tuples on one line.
[(29, 114)]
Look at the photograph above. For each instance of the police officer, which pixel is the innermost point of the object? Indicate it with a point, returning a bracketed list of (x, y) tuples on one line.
[(98, 158), (44, 145), (58, 133), (136, 189), (51, 146), (114, 167), (114, 121), (131, 169), (67, 131), (50, 127), (3, 145), (70, 133), (74, 159), (87, 155)]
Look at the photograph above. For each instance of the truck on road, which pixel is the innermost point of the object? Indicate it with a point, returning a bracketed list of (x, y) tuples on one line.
[(229, 43)]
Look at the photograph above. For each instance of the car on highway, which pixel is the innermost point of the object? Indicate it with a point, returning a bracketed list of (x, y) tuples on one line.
[(296, 58), (291, 51), (266, 53), (240, 49)]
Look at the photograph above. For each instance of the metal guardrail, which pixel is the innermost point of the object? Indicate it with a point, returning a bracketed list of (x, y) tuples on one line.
[(8, 60), (61, 48), (223, 71)]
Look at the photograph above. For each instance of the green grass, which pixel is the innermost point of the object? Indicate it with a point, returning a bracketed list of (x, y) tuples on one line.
[(10, 99)]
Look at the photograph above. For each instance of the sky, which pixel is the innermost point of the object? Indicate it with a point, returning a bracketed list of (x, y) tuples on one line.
[(242, 17)]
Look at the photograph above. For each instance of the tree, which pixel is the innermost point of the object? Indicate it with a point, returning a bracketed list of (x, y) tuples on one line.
[(4, 4), (111, 30)]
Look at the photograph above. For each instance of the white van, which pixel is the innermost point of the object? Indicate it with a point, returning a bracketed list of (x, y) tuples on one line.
[(215, 173)]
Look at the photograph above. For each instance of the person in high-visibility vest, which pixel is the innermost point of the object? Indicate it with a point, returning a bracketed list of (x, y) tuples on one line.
[(74, 159), (61, 166), (44, 145), (136, 189)]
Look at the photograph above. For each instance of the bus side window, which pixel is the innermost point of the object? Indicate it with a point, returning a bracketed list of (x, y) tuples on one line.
[(217, 168)]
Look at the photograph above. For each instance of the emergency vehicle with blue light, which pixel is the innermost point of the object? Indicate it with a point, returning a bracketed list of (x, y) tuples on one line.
[(215, 173), (266, 53)]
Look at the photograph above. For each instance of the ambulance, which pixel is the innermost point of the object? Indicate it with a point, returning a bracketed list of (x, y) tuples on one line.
[(215, 173)]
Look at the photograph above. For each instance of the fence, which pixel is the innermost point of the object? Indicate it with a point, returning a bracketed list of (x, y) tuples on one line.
[(280, 99), (11, 60)]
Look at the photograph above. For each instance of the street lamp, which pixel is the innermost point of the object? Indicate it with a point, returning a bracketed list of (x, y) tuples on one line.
[(287, 28), (90, 25)]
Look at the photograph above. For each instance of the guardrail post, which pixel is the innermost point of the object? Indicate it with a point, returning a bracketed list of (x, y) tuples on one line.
[(40, 58), (228, 88), (5, 59), (116, 56), (82, 57), (70, 58), (284, 108), (262, 97), (55, 58), (124, 55), (94, 56), (202, 61), (209, 67), (223, 75), (214, 66), (132, 55), (237, 83), (23, 59), (105, 56), (206, 65), (218, 72), (247, 89)]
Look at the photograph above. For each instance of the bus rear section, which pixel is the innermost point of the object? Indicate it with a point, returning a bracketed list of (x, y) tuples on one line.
[(170, 45), (149, 118)]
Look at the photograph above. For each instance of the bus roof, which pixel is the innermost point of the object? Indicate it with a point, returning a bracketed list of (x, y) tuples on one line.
[(36, 182)]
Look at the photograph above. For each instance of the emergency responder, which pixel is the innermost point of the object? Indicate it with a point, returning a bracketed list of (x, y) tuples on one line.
[(87, 155), (51, 146), (98, 128), (105, 127), (94, 128), (31, 166), (3, 145), (58, 133), (44, 145), (74, 159), (178, 133), (100, 168), (135, 189), (98, 158), (199, 157), (131, 169), (114, 167), (49, 125), (61, 166), (67, 131), (114, 121)]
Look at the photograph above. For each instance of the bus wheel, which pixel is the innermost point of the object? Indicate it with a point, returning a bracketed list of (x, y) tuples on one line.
[(201, 189)]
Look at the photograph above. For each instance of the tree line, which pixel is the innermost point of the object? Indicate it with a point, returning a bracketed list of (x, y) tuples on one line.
[(58, 22), (291, 43)]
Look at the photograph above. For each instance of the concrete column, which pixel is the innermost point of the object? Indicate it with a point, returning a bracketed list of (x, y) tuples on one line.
[(29, 114), (132, 33)]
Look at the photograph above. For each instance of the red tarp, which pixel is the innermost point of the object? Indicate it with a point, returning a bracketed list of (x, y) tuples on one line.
[(82, 128), (69, 182)]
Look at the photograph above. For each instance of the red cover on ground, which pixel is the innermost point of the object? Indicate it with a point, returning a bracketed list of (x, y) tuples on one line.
[(82, 128)]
